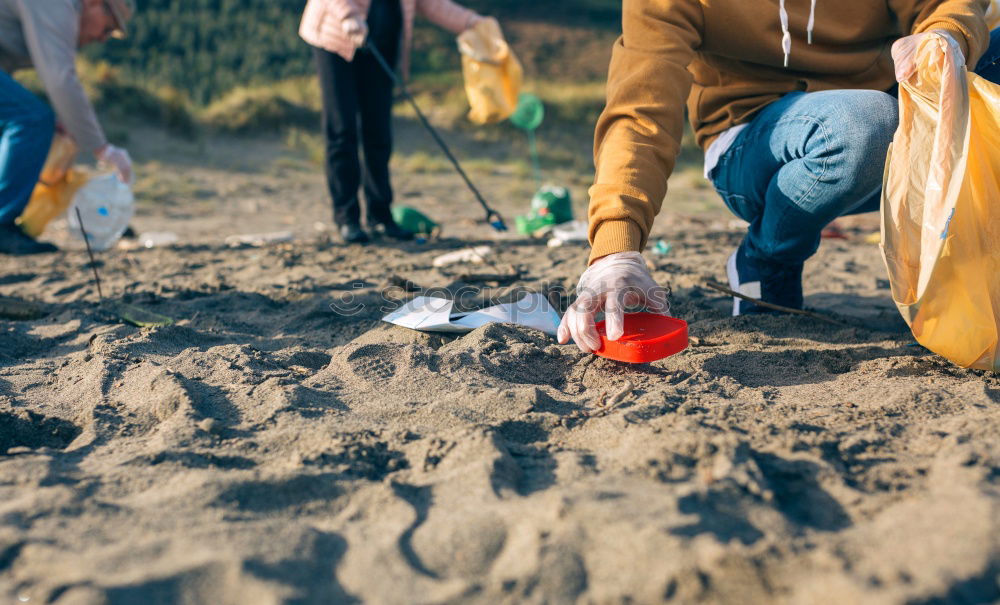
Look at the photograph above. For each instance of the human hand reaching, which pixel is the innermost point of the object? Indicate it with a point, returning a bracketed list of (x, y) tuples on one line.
[(356, 30), (904, 52), (611, 283), (119, 159)]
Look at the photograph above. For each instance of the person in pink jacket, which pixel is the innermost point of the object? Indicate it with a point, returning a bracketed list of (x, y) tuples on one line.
[(355, 86)]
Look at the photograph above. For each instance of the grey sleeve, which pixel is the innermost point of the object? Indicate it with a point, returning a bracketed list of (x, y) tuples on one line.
[(51, 29)]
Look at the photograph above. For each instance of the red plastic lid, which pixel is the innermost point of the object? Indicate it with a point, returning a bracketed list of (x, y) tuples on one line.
[(647, 337)]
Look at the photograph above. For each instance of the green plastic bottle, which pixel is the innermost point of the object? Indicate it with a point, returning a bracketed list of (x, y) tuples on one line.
[(555, 201), (413, 220), (550, 206), (529, 223)]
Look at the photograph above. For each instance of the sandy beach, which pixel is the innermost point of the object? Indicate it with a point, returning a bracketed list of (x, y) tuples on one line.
[(272, 447)]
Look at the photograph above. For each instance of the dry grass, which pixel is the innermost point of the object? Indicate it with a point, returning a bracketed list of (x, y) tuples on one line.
[(247, 110), (422, 162), (310, 144)]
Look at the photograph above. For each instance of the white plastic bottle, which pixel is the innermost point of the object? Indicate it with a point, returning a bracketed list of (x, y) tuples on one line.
[(107, 206)]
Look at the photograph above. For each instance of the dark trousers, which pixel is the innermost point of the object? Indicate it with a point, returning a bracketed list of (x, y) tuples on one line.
[(353, 90)]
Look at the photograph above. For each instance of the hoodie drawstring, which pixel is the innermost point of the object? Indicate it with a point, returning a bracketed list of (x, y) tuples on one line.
[(812, 21), (786, 36)]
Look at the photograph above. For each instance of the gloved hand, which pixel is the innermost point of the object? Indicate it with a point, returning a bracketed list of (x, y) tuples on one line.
[(613, 282), (904, 52), (119, 159), (356, 30), (475, 19)]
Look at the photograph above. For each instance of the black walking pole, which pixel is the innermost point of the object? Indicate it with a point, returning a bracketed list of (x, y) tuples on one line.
[(492, 216)]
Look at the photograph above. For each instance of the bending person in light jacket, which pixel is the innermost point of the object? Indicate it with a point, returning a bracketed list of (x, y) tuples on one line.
[(46, 34), (354, 85)]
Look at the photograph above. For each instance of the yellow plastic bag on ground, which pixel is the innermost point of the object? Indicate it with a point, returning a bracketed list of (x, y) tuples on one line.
[(56, 186), (941, 209), (492, 72)]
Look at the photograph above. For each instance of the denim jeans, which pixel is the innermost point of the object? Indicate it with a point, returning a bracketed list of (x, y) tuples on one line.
[(26, 128), (808, 158)]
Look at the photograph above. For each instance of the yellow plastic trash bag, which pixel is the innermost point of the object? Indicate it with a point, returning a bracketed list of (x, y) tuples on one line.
[(56, 186), (993, 15), (940, 210), (492, 72)]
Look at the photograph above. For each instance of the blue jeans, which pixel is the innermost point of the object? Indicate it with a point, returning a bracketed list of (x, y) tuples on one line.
[(26, 128), (808, 158)]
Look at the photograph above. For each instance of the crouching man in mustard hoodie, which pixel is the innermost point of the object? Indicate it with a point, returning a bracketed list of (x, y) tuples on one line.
[(793, 102)]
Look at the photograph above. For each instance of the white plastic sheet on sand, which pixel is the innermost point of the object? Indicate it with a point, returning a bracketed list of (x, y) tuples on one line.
[(433, 314)]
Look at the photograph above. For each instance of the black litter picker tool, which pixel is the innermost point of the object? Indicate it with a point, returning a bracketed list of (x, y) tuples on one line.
[(137, 316), (492, 216)]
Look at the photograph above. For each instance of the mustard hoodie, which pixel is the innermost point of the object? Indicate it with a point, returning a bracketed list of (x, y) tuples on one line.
[(727, 59)]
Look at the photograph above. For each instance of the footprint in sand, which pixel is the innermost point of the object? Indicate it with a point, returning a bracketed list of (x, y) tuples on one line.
[(372, 362)]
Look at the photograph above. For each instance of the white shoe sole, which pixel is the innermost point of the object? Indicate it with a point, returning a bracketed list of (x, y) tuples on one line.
[(751, 289), (734, 282)]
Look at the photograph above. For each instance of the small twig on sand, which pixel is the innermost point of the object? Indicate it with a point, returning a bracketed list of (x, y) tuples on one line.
[(606, 405), (617, 399), (497, 278), (484, 259), (767, 305)]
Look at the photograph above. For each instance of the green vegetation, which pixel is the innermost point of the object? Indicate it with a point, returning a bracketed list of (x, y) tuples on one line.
[(238, 66), (208, 48)]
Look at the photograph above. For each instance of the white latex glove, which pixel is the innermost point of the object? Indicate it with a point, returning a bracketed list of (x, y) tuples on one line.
[(356, 30), (904, 52), (119, 159), (612, 283)]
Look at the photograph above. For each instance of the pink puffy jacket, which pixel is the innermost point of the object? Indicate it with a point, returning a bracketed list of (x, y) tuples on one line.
[(321, 23)]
